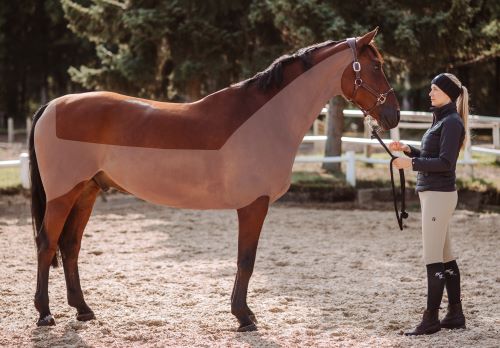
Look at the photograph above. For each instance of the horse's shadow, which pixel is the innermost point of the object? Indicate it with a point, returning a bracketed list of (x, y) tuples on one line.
[(255, 339), (45, 337)]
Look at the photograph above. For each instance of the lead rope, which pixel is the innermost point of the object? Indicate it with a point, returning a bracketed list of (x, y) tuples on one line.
[(403, 214)]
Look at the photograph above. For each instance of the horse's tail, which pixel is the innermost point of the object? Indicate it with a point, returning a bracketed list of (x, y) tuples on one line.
[(38, 198)]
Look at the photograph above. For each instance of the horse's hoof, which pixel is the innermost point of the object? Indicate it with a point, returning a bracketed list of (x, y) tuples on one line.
[(248, 328), (85, 316), (47, 321)]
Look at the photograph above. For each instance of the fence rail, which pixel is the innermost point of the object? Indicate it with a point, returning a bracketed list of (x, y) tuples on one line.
[(24, 163), (417, 120)]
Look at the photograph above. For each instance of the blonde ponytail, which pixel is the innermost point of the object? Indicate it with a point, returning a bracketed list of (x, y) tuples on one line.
[(462, 105)]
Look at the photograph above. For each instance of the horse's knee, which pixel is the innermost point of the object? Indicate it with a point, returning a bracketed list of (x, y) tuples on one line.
[(47, 248), (245, 266), (70, 249)]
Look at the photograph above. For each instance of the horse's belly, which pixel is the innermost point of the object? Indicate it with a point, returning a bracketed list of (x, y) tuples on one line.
[(192, 179), (177, 178)]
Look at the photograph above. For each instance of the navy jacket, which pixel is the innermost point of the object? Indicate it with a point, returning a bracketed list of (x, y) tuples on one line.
[(437, 158)]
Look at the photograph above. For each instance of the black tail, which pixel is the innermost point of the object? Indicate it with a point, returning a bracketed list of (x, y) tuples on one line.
[(38, 199)]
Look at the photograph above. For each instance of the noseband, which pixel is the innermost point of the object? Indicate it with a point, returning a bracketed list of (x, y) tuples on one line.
[(381, 98)]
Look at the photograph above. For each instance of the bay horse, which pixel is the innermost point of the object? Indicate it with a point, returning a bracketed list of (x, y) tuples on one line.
[(233, 149)]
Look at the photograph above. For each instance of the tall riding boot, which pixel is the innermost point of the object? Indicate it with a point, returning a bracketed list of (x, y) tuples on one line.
[(435, 287), (429, 324), (454, 318)]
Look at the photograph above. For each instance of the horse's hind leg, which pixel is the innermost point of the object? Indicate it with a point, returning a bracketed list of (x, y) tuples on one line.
[(250, 218), (70, 243), (56, 213)]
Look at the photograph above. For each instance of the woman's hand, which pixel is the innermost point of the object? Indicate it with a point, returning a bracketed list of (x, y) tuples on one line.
[(402, 163), (398, 146)]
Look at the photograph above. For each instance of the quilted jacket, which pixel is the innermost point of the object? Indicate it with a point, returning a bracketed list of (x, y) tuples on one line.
[(437, 158)]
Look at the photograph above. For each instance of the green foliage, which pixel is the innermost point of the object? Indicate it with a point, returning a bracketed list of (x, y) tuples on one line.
[(184, 49), (36, 50), (9, 178)]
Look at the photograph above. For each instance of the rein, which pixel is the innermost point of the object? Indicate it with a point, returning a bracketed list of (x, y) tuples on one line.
[(403, 214), (381, 98)]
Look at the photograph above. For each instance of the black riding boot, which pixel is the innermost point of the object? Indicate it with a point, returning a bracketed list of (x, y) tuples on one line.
[(435, 287), (428, 325), (454, 318)]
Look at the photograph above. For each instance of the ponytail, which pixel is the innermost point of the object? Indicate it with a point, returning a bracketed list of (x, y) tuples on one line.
[(462, 105)]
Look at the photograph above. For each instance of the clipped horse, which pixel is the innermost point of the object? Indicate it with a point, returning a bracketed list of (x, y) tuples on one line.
[(233, 149)]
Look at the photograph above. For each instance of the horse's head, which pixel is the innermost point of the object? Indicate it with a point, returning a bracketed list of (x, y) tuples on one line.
[(364, 83)]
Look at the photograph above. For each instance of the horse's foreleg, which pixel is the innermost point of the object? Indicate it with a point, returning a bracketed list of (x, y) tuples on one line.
[(251, 219), (56, 212), (70, 247)]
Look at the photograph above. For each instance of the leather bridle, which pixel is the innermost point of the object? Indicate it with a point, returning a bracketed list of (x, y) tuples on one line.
[(359, 83), (381, 98)]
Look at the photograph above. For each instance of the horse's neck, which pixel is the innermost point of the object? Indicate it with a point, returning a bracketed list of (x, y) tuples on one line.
[(302, 99)]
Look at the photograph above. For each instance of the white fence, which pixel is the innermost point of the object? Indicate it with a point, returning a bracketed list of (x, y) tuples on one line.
[(349, 157), (11, 132), (24, 163), (423, 120)]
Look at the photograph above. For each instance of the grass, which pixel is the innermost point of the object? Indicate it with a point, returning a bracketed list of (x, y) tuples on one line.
[(317, 179), (9, 177)]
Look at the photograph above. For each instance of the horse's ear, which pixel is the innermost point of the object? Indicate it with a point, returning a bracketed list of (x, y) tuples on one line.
[(367, 38)]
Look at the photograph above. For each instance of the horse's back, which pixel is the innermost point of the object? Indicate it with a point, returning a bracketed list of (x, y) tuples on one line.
[(114, 119)]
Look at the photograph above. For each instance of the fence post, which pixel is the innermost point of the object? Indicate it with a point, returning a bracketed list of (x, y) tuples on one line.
[(350, 173), (496, 136), (468, 152), (367, 150), (10, 130), (25, 170), (28, 129), (395, 134), (495, 130)]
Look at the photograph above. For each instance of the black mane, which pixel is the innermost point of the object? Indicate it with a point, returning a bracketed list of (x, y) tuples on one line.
[(273, 75)]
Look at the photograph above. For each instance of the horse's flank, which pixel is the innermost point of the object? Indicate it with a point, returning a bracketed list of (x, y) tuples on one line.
[(221, 152)]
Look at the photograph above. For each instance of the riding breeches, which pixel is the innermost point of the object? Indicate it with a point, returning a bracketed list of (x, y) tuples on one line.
[(437, 209)]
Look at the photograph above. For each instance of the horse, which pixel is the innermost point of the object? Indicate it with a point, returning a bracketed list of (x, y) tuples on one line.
[(233, 149)]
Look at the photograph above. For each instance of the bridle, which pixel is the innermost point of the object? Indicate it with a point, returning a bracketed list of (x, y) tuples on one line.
[(381, 98), (359, 83)]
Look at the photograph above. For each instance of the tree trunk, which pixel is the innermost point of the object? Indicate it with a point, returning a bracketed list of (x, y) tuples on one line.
[(194, 89), (335, 126)]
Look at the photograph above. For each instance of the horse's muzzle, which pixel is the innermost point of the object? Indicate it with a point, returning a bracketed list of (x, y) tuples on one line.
[(389, 117)]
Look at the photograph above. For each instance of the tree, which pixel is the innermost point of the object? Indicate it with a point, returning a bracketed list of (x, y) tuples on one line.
[(421, 39), (161, 49), (36, 50)]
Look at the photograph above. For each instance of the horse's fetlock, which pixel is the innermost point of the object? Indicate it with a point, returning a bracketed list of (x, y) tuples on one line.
[(238, 311)]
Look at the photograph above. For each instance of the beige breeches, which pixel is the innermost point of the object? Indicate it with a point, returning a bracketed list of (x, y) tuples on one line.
[(437, 209)]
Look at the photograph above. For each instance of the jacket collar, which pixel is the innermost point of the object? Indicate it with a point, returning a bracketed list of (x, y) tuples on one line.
[(443, 111)]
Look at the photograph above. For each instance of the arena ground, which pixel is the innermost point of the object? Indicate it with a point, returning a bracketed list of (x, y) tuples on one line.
[(325, 276)]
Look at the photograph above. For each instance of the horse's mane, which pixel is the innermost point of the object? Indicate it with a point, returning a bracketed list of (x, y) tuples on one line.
[(273, 75)]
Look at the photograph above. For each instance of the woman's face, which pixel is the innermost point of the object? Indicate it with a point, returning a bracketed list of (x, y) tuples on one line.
[(438, 97)]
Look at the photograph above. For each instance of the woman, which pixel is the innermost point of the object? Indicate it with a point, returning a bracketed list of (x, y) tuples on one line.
[(435, 162)]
